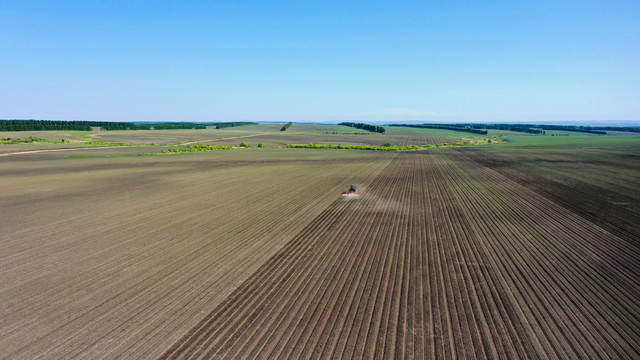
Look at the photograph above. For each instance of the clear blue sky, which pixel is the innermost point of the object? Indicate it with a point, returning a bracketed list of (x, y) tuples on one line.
[(320, 60)]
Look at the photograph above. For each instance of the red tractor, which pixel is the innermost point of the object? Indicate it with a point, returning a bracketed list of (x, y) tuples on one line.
[(351, 192)]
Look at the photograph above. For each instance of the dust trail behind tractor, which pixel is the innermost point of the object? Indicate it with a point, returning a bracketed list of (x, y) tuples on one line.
[(351, 194)]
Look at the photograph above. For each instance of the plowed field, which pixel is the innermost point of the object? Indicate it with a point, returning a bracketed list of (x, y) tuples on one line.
[(109, 257), (600, 183), (442, 258), (282, 139), (252, 253)]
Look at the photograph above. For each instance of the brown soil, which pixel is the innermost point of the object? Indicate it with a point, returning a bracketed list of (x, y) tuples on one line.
[(441, 257), (118, 257)]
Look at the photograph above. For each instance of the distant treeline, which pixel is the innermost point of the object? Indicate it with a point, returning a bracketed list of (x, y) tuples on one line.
[(582, 129), (120, 126), (177, 125), (232, 124), (616, 128), (286, 126), (536, 129), (525, 128), (460, 128), (372, 128), (33, 125), (508, 127), (540, 129), (29, 125)]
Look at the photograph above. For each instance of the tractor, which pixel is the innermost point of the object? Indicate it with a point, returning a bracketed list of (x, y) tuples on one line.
[(351, 192)]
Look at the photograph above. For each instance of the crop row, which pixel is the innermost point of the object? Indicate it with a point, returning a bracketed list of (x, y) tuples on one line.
[(150, 260), (440, 258), (602, 191)]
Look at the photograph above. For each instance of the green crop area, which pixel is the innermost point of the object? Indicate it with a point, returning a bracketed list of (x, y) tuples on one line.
[(579, 140), (238, 244)]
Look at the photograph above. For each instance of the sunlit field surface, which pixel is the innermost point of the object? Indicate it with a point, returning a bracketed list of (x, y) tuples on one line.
[(524, 247)]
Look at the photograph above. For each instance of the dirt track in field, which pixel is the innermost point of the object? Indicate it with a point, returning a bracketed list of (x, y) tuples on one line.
[(56, 150), (441, 258)]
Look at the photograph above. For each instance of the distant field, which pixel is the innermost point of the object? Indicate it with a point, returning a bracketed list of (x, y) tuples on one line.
[(267, 134), (527, 248), (578, 140), (305, 138), (135, 137), (318, 128), (167, 137), (400, 130)]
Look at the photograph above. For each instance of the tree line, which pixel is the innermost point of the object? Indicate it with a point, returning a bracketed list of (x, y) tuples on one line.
[(29, 125), (286, 126), (582, 129), (616, 128), (445, 127), (540, 129), (177, 125), (232, 124), (368, 127), (508, 127), (40, 125)]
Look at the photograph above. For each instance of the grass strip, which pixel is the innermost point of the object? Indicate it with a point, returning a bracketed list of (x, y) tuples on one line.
[(191, 149), (384, 147)]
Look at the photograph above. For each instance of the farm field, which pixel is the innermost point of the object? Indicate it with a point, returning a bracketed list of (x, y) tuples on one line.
[(76, 139), (443, 258), (283, 139), (169, 137), (110, 256), (596, 177), (526, 249), (267, 134)]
